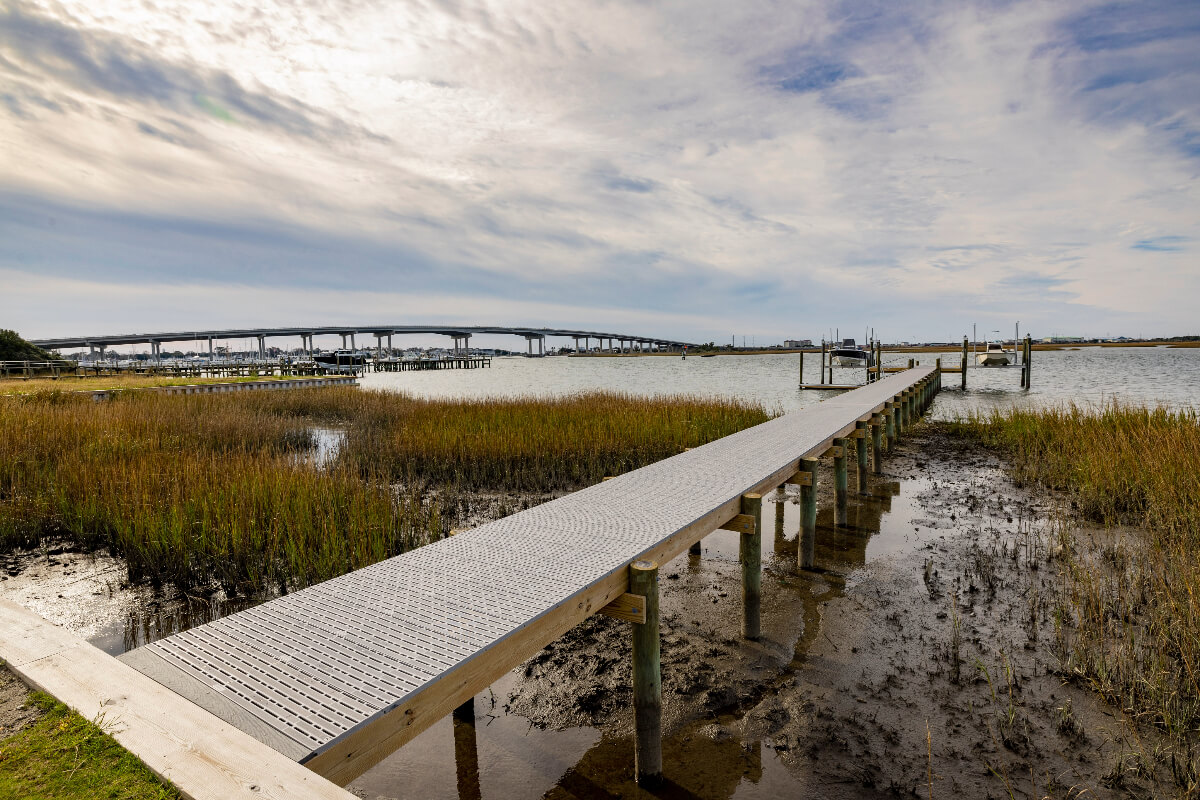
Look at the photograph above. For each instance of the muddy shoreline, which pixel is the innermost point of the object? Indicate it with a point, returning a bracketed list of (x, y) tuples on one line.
[(920, 657)]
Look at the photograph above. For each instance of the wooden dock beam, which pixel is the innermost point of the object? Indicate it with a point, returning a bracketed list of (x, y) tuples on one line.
[(839, 481), (647, 678), (752, 568)]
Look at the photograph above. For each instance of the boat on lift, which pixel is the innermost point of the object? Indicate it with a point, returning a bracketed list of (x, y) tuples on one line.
[(994, 355), (341, 360), (850, 354)]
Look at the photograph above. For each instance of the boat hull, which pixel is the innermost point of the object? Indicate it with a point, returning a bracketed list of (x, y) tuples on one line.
[(993, 359)]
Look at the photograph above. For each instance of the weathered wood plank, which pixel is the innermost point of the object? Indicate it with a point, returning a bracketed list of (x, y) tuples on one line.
[(628, 608), (203, 756)]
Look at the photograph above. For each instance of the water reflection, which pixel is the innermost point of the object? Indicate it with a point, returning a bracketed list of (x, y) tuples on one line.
[(499, 754)]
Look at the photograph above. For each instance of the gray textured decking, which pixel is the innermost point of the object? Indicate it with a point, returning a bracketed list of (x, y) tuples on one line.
[(305, 671)]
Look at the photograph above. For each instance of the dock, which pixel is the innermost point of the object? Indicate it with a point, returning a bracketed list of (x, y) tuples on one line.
[(339, 675)]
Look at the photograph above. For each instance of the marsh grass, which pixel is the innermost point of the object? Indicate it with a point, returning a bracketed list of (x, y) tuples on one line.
[(71, 383), (1129, 601), (198, 489)]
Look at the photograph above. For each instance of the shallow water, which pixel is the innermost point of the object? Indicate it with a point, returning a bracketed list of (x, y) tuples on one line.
[(513, 758), (1089, 375)]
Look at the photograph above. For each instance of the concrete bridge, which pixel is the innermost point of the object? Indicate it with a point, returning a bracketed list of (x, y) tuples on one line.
[(616, 342)]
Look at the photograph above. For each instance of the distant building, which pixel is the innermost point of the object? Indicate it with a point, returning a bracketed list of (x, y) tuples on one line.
[(792, 344)]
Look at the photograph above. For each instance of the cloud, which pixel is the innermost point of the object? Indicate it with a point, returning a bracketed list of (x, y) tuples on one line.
[(1161, 244), (101, 64), (771, 167)]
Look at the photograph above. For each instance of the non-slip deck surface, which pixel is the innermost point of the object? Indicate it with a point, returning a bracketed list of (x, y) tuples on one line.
[(306, 669)]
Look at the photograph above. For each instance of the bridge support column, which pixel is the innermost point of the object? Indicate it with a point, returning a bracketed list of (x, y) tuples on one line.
[(752, 568), (840, 480), (466, 750), (529, 342), (877, 444), (262, 348), (541, 345), (647, 677), (391, 350), (378, 346), (860, 445), (210, 348), (807, 546)]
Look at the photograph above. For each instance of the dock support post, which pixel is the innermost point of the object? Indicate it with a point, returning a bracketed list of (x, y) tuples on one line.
[(752, 568), (802, 367), (889, 424), (860, 445), (695, 549), (780, 501), (1028, 362), (877, 443), (647, 678), (806, 551), (466, 750), (822, 361), (840, 481), (964, 364)]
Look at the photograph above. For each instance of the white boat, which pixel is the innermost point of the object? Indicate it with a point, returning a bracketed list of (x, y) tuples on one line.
[(994, 355), (851, 355)]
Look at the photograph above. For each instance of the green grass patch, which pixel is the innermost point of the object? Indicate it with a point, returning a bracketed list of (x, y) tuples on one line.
[(64, 756)]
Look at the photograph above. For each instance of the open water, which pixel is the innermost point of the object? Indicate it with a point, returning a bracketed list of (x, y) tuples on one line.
[(1087, 376)]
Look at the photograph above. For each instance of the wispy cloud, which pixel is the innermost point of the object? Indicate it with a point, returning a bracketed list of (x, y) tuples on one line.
[(772, 167)]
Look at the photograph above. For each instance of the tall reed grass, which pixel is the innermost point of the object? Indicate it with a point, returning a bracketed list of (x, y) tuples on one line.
[(1134, 601), (201, 488)]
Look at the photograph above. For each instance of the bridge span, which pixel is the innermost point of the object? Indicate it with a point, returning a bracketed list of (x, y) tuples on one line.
[(616, 342)]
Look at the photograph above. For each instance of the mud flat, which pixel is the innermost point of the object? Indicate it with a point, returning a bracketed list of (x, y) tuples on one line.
[(921, 658)]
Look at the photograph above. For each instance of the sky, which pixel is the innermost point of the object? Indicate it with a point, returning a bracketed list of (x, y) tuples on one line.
[(691, 170)]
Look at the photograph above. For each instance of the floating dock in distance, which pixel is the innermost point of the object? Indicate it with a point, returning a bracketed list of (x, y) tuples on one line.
[(339, 675), (837, 387)]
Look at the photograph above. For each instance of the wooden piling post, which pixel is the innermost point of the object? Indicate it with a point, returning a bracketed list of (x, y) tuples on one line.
[(647, 677), (806, 552), (877, 443), (466, 750), (889, 424), (822, 361), (695, 549), (752, 568), (840, 481), (801, 366), (860, 445), (964, 364), (1028, 362)]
